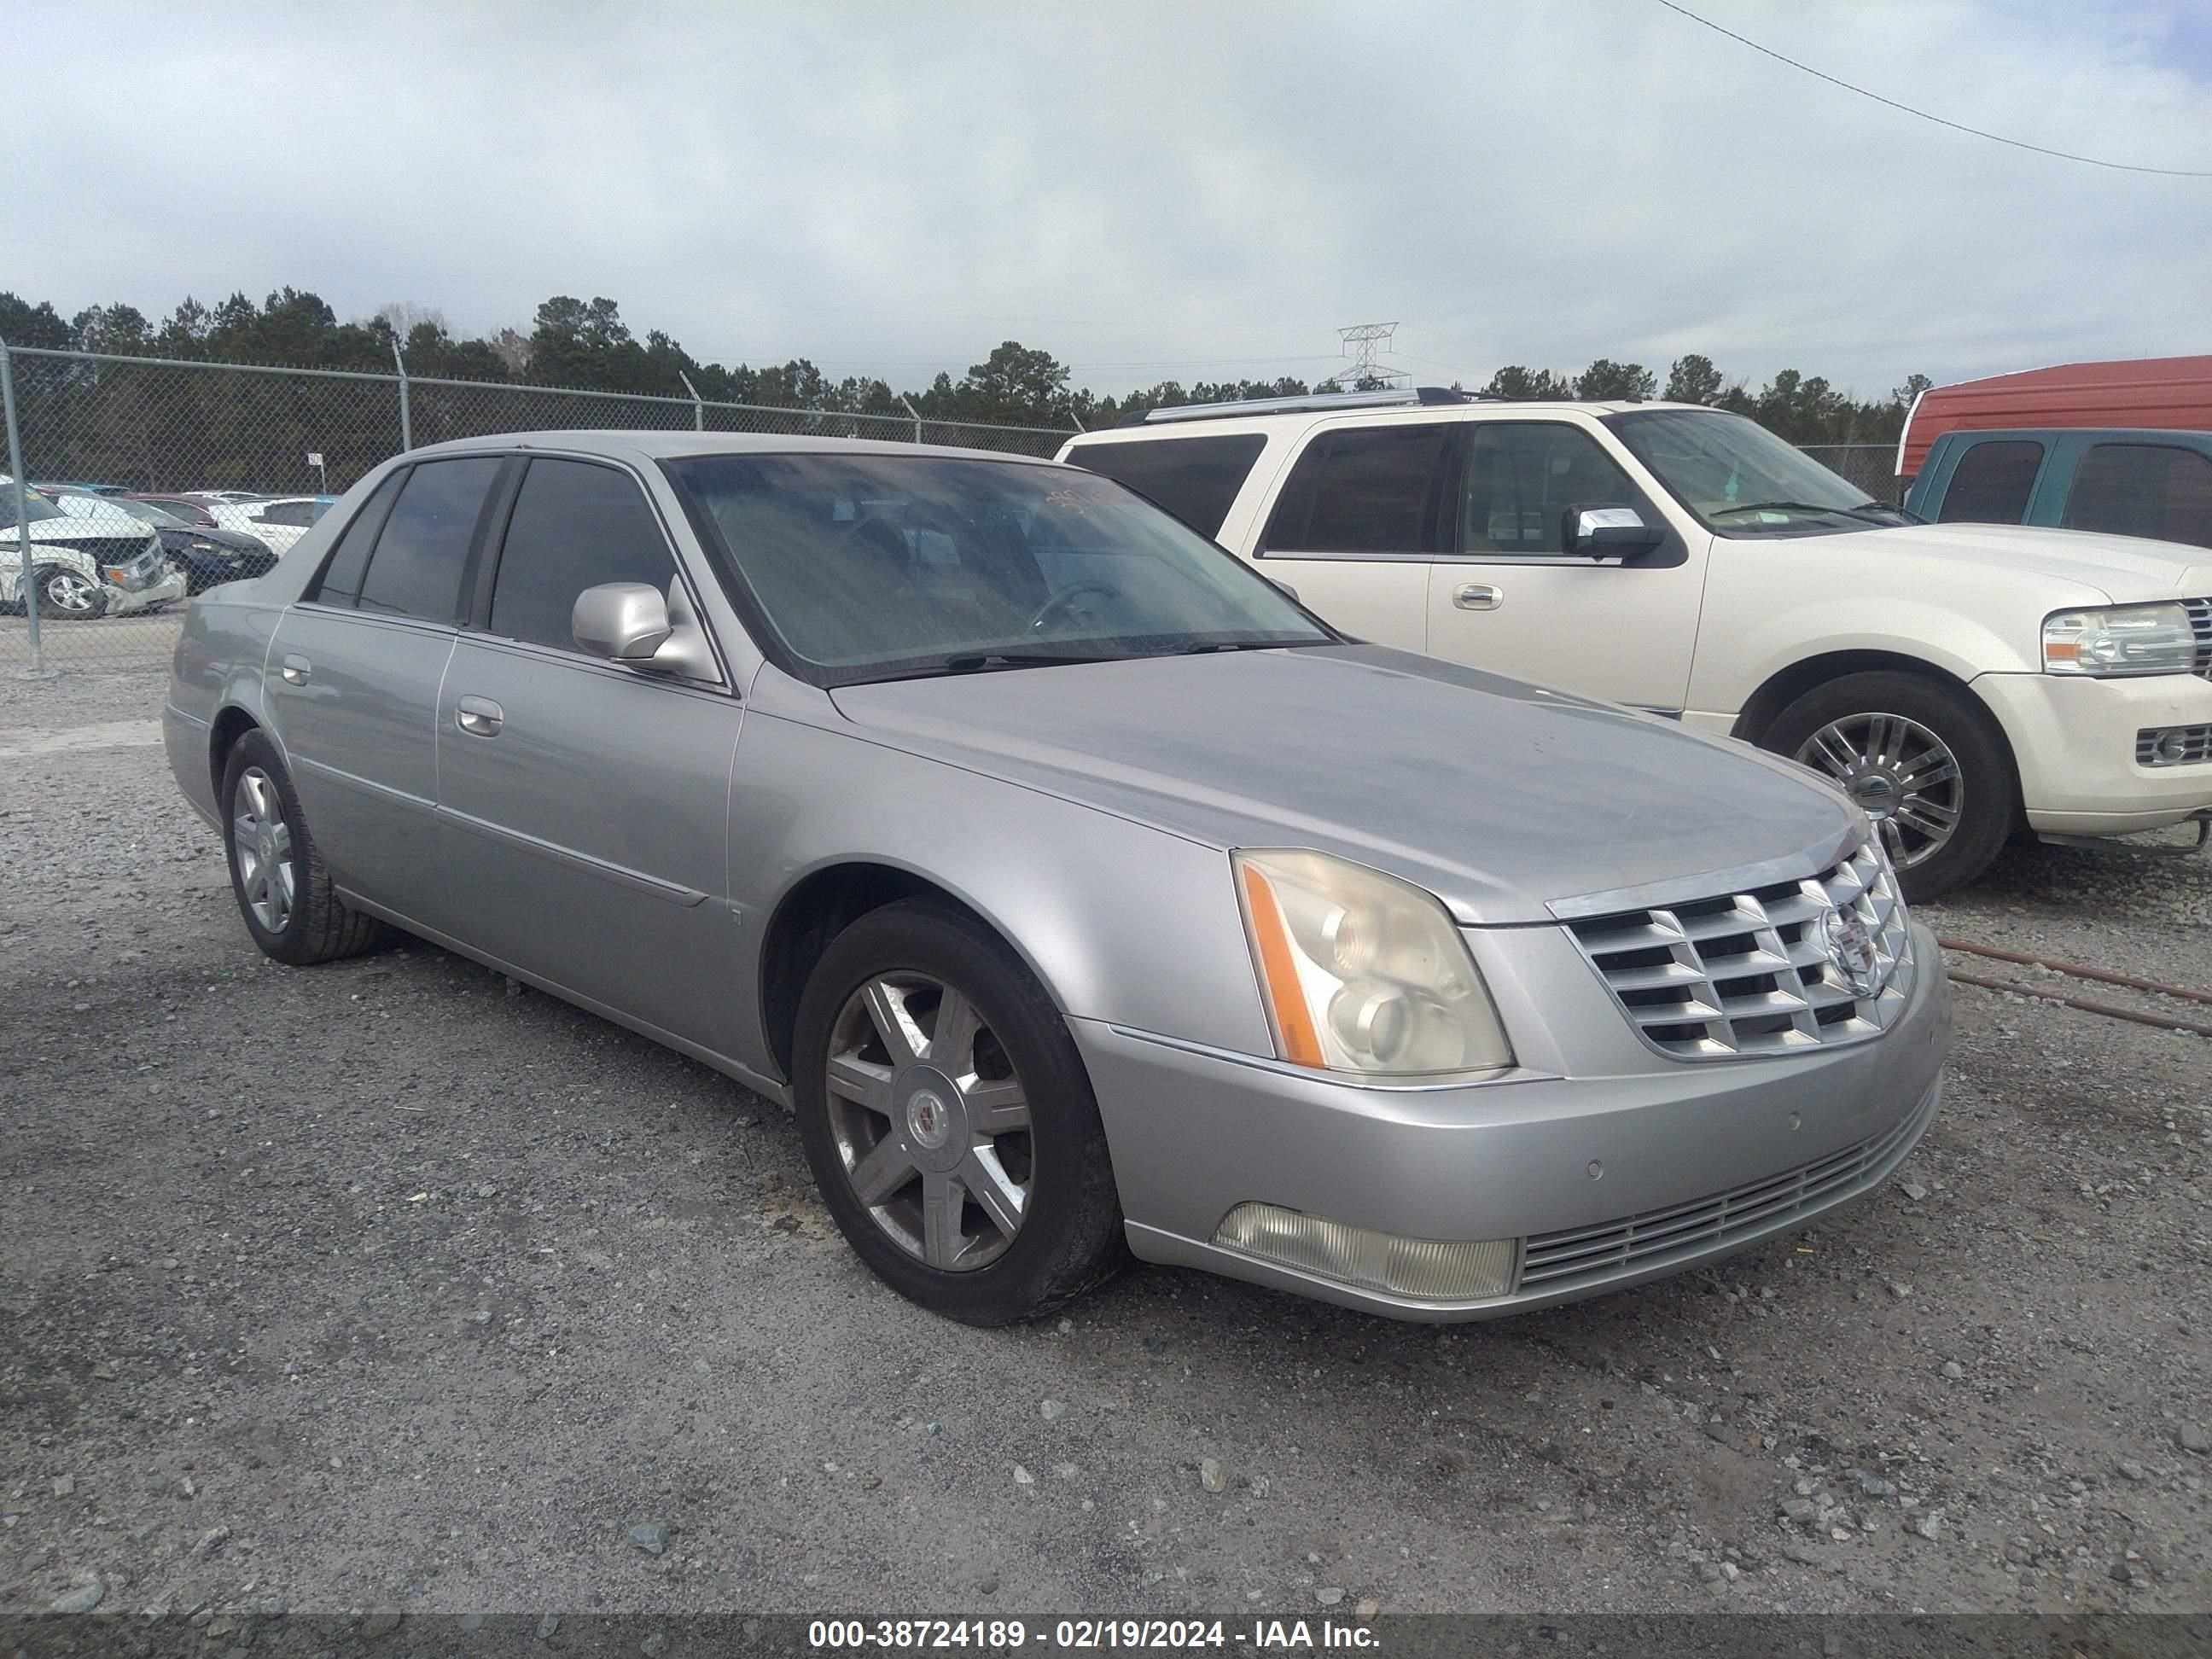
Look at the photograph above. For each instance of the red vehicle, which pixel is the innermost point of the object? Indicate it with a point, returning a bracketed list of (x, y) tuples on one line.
[(2173, 394)]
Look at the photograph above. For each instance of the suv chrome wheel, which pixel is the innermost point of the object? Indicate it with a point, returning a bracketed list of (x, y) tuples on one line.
[(71, 593), (1901, 773), (266, 874), (929, 1121)]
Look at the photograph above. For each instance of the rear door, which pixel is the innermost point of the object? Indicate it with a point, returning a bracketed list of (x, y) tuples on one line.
[(585, 805), (353, 678), (1360, 515), (1505, 595)]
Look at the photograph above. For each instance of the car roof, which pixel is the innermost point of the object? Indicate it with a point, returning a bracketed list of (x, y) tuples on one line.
[(631, 444)]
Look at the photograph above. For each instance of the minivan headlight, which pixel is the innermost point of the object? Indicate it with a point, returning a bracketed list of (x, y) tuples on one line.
[(1363, 973), (2122, 638)]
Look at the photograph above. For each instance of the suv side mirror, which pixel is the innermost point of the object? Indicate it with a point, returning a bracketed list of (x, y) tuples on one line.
[(1608, 532), (634, 624)]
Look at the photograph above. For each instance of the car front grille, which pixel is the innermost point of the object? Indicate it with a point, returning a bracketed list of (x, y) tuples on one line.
[(1792, 966), (1582, 1256), (2200, 623)]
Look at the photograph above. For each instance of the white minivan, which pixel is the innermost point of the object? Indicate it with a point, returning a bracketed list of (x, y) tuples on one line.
[(1962, 681)]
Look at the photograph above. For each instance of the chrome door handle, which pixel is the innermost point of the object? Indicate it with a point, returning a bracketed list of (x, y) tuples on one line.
[(295, 670), (1477, 596), (480, 717)]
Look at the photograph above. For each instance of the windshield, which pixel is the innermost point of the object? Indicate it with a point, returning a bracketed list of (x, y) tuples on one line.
[(875, 567), (1739, 479), (35, 507)]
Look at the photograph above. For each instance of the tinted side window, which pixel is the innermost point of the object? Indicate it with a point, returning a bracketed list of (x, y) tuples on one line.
[(298, 513), (1195, 478), (340, 579), (574, 526), (1521, 478), (2143, 489), (416, 568), (1992, 484), (1364, 489)]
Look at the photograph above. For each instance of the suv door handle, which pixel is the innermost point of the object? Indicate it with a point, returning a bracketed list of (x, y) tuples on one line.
[(480, 717), (295, 670), (1477, 596)]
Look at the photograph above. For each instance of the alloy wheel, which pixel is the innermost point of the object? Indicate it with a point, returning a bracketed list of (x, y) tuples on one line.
[(930, 1122), (266, 872), (1900, 773), (65, 590)]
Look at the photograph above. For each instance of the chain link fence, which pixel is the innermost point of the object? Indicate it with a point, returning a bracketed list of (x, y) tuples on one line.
[(154, 478)]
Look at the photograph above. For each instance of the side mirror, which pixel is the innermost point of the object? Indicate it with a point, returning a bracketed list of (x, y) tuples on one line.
[(634, 624), (1608, 532), (622, 622)]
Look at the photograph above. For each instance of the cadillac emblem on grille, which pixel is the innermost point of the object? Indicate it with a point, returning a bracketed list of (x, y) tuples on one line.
[(1849, 946)]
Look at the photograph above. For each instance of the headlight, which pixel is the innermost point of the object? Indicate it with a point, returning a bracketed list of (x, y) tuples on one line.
[(2114, 639), (1361, 972)]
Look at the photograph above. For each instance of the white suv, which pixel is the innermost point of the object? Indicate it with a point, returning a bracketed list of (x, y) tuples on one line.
[(1961, 681)]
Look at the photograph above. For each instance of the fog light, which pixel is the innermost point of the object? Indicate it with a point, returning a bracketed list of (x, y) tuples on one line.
[(1419, 1269)]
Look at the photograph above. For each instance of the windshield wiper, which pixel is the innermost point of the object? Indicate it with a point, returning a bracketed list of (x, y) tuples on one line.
[(970, 662), (1863, 512)]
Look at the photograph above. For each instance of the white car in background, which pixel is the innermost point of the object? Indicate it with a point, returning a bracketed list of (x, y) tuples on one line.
[(82, 568), (276, 521)]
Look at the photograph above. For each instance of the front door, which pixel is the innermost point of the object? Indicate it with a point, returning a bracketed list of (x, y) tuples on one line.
[(1508, 597), (585, 806)]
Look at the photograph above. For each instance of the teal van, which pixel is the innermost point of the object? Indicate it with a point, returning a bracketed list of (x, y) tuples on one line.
[(2122, 482)]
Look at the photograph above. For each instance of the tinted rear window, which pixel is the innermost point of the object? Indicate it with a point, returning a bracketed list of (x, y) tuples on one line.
[(416, 570), (1195, 478), (2158, 490), (340, 583), (1992, 484), (1362, 490)]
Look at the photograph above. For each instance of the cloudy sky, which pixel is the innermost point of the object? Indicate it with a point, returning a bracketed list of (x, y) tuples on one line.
[(1205, 188)]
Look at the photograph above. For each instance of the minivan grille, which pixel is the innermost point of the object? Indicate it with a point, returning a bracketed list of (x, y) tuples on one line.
[(1794, 965), (2200, 622), (1552, 1261)]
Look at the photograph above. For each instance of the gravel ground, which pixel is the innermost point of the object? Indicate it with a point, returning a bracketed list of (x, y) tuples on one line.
[(374, 1286)]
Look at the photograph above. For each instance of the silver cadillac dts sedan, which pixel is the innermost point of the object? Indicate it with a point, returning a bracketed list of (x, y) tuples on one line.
[(1078, 891)]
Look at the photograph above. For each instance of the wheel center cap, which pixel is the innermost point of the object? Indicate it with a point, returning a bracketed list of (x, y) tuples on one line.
[(1877, 793), (927, 1120)]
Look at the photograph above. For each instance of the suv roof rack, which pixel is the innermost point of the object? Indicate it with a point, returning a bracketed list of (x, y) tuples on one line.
[(1320, 401)]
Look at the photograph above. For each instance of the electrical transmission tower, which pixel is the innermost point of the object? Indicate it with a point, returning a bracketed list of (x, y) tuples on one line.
[(1360, 344)]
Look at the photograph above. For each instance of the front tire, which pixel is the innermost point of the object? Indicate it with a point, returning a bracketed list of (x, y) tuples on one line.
[(1927, 762), (949, 1120), (69, 595), (276, 874)]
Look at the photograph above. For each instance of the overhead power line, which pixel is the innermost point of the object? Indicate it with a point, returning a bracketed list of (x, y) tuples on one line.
[(1955, 126)]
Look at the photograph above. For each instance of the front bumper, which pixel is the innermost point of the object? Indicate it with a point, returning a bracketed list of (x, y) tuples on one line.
[(1608, 1181), (167, 585), (2074, 740)]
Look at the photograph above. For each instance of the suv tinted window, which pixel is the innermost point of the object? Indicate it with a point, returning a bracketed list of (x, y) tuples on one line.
[(2143, 489), (416, 570), (1522, 476), (1195, 478), (1362, 490), (300, 514), (1991, 483), (574, 526), (340, 583)]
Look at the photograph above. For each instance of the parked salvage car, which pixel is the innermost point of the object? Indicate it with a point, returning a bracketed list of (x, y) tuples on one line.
[(1965, 682), (276, 522), (1074, 886), (82, 568), (206, 557), (2155, 484)]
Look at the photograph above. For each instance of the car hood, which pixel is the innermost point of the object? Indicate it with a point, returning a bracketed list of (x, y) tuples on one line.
[(66, 531), (234, 541), (2120, 569), (1501, 798)]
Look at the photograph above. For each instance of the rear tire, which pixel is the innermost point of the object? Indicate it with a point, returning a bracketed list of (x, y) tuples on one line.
[(1927, 762), (276, 873), (960, 1150)]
